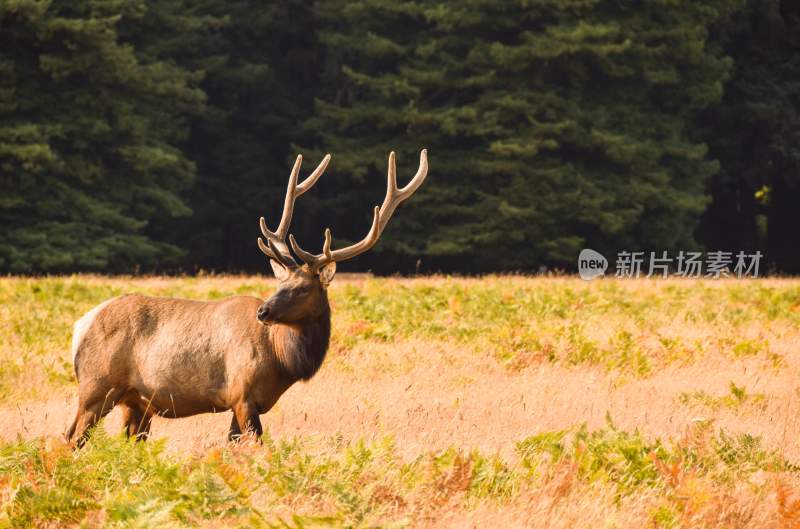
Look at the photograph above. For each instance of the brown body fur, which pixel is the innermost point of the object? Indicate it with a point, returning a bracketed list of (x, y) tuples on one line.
[(176, 357)]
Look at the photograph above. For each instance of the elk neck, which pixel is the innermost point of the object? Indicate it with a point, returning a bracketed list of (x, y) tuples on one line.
[(301, 346)]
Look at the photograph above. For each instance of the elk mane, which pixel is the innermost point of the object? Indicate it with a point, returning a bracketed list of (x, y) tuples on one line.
[(300, 348)]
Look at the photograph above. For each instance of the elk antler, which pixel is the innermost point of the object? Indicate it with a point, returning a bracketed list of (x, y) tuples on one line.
[(275, 246), (381, 216)]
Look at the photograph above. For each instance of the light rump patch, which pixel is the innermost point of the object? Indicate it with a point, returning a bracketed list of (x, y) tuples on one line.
[(82, 327)]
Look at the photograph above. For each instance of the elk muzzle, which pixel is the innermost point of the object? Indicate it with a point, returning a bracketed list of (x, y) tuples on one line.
[(284, 306), (263, 312)]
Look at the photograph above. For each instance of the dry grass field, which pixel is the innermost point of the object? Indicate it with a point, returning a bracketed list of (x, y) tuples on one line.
[(443, 402)]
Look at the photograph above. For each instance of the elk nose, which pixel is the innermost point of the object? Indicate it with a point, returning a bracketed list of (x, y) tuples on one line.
[(263, 313)]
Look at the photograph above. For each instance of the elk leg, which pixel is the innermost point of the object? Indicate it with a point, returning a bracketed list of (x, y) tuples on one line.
[(86, 419), (71, 430), (90, 411), (127, 419), (137, 422), (247, 418), (234, 433)]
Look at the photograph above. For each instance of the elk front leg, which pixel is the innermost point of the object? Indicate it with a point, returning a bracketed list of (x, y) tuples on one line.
[(246, 415), (234, 433)]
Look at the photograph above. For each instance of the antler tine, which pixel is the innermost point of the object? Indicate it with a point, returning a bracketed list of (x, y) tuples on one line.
[(315, 262), (395, 196), (277, 239), (271, 252), (288, 201), (274, 239), (309, 182), (265, 248), (326, 247), (309, 258)]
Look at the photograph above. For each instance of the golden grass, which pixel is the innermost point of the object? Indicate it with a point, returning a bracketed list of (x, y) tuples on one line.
[(477, 366)]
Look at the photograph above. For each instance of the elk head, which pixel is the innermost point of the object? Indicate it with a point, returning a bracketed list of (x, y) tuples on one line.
[(302, 291)]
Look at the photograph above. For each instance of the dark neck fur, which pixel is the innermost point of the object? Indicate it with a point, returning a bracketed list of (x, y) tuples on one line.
[(303, 345)]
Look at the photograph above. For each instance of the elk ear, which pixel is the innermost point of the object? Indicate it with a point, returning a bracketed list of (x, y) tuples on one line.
[(327, 273), (280, 271)]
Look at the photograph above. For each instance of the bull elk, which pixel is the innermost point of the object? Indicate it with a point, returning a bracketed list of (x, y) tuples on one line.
[(177, 357)]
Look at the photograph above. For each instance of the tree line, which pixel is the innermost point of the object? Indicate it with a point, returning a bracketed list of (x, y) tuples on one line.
[(151, 135)]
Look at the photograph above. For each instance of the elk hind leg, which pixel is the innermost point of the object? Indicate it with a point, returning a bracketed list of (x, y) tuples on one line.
[(137, 421), (71, 430)]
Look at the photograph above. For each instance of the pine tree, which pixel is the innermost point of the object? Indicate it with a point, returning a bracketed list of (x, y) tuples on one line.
[(87, 140), (755, 132), (550, 125), (259, 65)]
